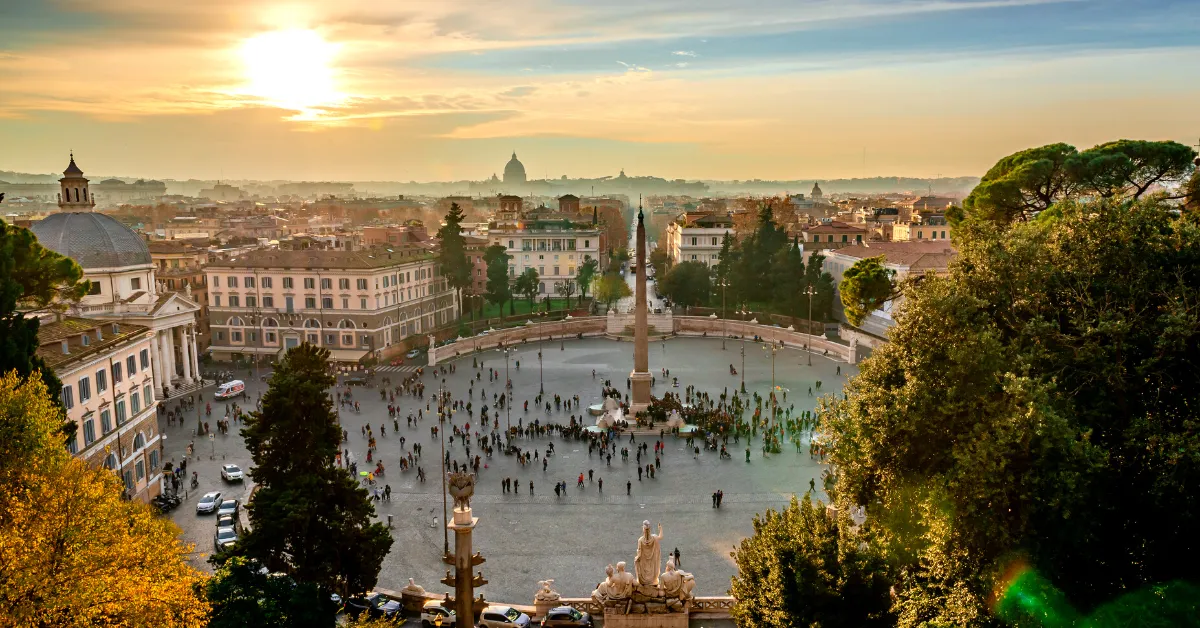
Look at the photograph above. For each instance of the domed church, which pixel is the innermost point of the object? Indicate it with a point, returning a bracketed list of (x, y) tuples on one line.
[(123, 287), (514, 171)]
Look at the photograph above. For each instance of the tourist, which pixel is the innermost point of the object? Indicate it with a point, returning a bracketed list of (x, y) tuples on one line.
[(628, 487)]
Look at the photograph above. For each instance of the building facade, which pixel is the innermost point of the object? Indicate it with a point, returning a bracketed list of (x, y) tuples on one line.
[(697, 238), (374, 302), (556, 252), (834, 234), (109, 393)]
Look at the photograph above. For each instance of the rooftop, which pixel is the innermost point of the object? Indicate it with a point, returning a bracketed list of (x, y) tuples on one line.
[(72, 330), (916, 256), (380, 257)]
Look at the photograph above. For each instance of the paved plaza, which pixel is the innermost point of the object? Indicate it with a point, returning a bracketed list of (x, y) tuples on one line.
[(570, 539)]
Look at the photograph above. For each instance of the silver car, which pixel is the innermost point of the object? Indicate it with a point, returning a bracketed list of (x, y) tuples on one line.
[(232, 473), (208, 502), (224, 538), (228, 507)]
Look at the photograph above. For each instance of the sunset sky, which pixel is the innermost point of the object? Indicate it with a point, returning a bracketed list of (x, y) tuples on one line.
[(439, 90)]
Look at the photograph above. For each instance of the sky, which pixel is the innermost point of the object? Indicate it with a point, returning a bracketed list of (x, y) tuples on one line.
[(431, 90)]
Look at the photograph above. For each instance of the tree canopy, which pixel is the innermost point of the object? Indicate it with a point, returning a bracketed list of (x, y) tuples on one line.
[(687, 284), (310, 519), (610, 288), (499, 289), (73, 551), (242, 595), (452, 254), (865, 287), (1036, 407), (586, 275), (526, 284)]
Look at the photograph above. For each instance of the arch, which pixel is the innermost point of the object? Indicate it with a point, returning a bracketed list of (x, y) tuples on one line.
[(270, 322), (110, 462), (346, 323), (139, 441), (387, 321), (312, 323), (236, 321)]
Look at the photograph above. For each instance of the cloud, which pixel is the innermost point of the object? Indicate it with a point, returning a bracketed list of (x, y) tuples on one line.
[(684, 53), (518, 92)]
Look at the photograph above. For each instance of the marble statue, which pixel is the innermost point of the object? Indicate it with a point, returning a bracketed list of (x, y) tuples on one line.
[(622, 583), (546, 594), (674, 420), (648, 559), (604, 589), (187, 289), (412, 588), (462, 487), (676, 583)]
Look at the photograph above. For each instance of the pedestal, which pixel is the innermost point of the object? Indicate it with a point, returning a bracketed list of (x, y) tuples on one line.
[(645, 620), (639, 399), (463, 581)]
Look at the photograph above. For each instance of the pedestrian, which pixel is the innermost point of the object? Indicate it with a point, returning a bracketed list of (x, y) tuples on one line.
[(531, 488), (639, 474), (720, 497), (628, 487), (600, 484), (677, 563), (714, 499)]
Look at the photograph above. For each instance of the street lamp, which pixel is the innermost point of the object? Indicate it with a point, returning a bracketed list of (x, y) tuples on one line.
[(744, 313), (773, 348), (442, 462), (507, 392), (810, 291), (724, 321)]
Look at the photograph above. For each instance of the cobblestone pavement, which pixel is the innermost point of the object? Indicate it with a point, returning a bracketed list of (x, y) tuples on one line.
[(529, 538)]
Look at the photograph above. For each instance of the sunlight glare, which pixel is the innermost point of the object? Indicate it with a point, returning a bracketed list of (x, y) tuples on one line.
[(292, 69)]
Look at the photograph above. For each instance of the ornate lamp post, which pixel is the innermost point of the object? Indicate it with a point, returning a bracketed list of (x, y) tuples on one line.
[(810, 291)]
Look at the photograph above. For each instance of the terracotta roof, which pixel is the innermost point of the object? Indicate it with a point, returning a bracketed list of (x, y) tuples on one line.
[(915, 256), (310, 258), (51, 335), (834, 227), (169, 246)]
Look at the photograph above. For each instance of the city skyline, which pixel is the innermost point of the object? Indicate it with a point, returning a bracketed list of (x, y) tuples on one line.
[(770, 90)]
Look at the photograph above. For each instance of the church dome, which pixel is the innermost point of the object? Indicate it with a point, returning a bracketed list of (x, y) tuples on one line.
[(94, 240), (514, 170), (72, 170)]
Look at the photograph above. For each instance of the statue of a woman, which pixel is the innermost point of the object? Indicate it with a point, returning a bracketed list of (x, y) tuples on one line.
[(647, 561)]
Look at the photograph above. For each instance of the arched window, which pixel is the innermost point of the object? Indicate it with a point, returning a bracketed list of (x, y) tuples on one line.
[(346, 323), (236, 321), (139, 441), (312, 323), (110, 462), (270, 322)]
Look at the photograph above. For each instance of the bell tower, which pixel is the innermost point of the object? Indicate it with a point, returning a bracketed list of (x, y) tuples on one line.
[(73, 192)]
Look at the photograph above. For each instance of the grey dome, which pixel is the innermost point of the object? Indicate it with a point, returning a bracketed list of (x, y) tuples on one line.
[(94, 240), (514, 170)]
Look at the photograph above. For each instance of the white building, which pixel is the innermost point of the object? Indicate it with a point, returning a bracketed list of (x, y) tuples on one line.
[(697, 238), (555, 252)]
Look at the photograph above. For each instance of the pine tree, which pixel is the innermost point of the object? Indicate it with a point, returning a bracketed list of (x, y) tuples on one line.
[(452, 255)]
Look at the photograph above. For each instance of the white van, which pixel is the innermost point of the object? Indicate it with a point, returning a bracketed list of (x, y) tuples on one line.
[(228, 390)]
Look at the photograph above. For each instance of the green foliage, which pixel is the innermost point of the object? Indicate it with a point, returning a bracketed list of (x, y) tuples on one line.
[(586, 275), (526, 284), (865, 287), (310, 519), (34, 277), (1127, 168), (687, 284), (660, 260), (610, 288), (452, 254), (1036, 404), (1023, 184), (241, 595), (621, 256), (564, 289), (804, 567), (498, 289)]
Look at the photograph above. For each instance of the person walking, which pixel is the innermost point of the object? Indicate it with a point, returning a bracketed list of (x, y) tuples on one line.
[(628, 487), (531, 488), (600, 484), (720, 498), (677, 563)]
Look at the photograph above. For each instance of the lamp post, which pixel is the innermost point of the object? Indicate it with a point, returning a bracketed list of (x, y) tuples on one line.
[(442, 464), (744, 313), (507, 392), (810, 291), (773, 348), (724, 321)]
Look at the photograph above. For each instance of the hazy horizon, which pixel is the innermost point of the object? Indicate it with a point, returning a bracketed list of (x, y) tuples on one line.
[(697, 90)]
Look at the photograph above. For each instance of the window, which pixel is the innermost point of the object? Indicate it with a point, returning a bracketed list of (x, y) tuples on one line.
[(248, 282), (232, 282), (309, 283), (236, 336), (266, 282), (310, 302), (362, 304), (344, 284), (145, 356), (120, 412), (105, 421), (85, 389), (136, 283), (366, 340), (135, 403), (858, 238), (287, 283), (268, 301), (233, 301), (556, 270), (816, 238), (129, 480), (326, 284), (141, 470), (327, 303), (220, 335), (153, 459), (345, 304), (312, 339), (89, 431), (693, 241), (252, 335), (587, 244), (330, 339), (68, 397), (217, 300), (94, 287), (251, 301), (347, 339), (216, 281), (72, 447), (943, 236), (270, 336), (362, 284), (541, 270), (116, 369), (714, 241)]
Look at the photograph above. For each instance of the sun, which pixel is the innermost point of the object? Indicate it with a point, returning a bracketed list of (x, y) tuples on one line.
[(292, 69)]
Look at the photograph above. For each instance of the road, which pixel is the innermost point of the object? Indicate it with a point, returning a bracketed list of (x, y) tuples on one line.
[(653, 300)]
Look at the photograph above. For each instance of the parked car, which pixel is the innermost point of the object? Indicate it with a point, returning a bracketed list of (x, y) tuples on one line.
[(434, 610), (355, 380), (224, 538), (374, 605), (412, 354), (228, 521), (208, 502), (228, 507), (232, 473), (565, 616), (503, 617)]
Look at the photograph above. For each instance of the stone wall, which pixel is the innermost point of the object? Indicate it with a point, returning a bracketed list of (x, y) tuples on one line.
[(549, 330), (715, 327)]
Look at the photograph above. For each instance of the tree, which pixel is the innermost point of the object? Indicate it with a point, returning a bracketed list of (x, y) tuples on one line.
[(586, 275), (660, 260), (565, 289), (789, 281), (73, 551), (727, 261), (1022, 184), (526, 285), (452, 255), (687, 284), (620, 256), (806, 567), (498, 289), (310, 519), (1127, 168), (242, 595), (1035, 407), (35, 278), (865, 287), (611, 288)]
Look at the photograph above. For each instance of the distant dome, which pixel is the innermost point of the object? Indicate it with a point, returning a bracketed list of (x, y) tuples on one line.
[(514, 171), (94, 240), (816, 191)]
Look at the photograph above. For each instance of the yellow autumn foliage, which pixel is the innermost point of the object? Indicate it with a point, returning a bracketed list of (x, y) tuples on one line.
[(72, 551)]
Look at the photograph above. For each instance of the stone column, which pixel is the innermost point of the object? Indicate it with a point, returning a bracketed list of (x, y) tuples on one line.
[(195, 353), (184, 348), (156, 362), (464, 561), (169, 349), (640, 377)]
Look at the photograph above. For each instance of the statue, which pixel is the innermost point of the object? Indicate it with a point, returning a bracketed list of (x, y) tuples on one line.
[(648, 557), (412, 588), (604, 589), (676, 583), (546, 594), (187, 289), (622, 583), (462, 487)]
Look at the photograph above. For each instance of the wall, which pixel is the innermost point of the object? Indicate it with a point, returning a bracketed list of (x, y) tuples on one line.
[(586, 325)]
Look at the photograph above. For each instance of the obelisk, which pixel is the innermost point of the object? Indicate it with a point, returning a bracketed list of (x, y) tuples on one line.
[(640, 377)]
